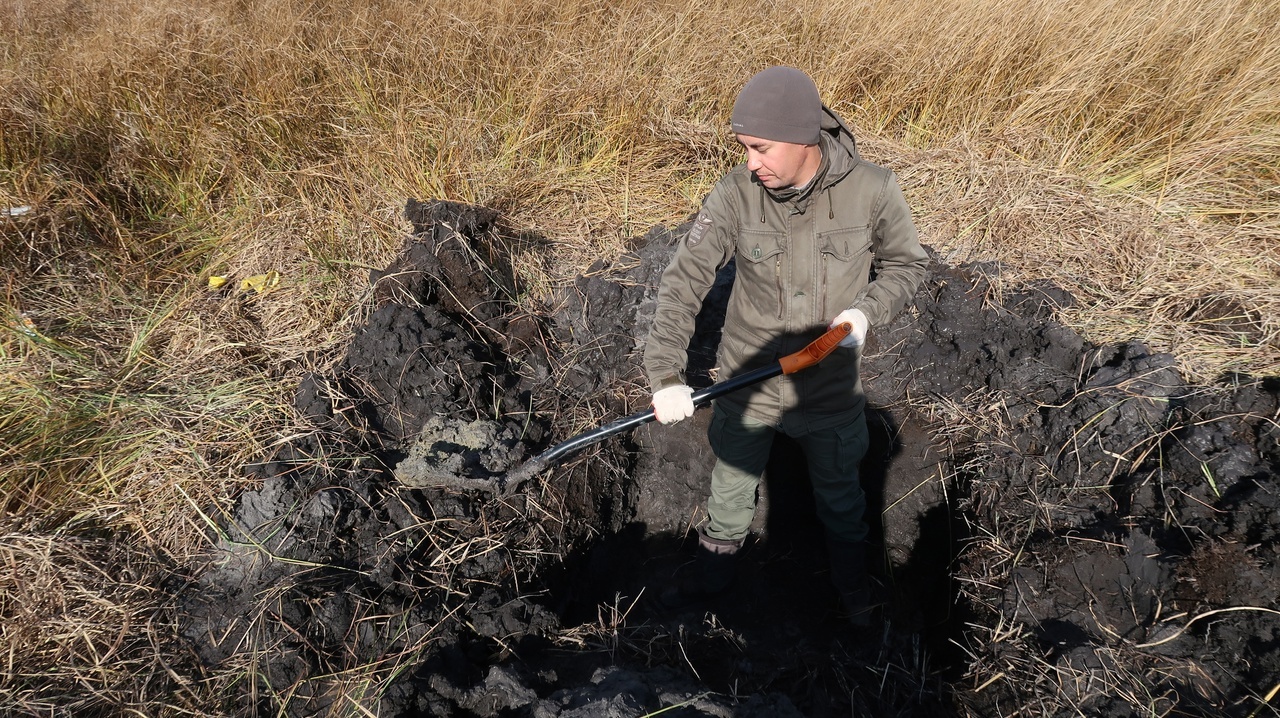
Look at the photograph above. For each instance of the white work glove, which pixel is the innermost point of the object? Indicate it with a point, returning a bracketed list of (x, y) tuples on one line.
[(673, 404), (854, 316)]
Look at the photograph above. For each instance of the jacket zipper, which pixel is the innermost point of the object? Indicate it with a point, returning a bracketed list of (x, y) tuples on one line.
[(822, 292), (777, 280)]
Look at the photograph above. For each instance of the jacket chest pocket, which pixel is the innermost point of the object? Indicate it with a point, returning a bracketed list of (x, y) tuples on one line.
[(760, 257), (846, 265)]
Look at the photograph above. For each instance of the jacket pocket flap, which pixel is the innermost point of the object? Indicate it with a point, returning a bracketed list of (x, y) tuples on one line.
[(760, 246), (844, 244)]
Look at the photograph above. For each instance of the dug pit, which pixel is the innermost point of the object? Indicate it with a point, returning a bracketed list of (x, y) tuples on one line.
[(1058, 524)]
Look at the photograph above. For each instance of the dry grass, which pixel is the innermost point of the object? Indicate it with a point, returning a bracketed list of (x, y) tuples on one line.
[(1126, 150), (86, 626), (1205, 290)]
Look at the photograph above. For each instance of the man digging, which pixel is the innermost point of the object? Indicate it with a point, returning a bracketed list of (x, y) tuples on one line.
[(805, 217)]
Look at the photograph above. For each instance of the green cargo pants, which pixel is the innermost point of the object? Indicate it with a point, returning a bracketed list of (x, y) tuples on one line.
[(742, 445)]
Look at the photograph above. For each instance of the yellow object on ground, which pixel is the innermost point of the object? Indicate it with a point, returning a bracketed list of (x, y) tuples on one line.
[(260, 282)]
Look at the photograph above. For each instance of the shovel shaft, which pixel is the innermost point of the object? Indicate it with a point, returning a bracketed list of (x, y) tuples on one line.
[(814, 352), (700, 398)]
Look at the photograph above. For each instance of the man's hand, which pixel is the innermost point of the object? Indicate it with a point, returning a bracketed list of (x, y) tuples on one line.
[(855, 317), (673, 404)]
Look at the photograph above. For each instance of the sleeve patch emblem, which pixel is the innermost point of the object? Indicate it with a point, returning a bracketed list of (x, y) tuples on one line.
[(699, 229)]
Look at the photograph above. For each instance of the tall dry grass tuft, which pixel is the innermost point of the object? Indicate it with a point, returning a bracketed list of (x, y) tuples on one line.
[(1126, 150)]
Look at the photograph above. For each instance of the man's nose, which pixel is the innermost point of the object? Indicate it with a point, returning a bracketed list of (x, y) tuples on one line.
[(753, 161)]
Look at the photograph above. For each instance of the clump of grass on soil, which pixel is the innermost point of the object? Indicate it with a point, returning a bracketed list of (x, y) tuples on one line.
[(1126, 150)]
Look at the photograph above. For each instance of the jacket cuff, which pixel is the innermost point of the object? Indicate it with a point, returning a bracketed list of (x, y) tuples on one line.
[(666, 381), (869, 309)]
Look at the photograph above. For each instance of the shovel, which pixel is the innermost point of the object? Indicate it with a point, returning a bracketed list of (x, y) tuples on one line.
[(419, 473), (816, 351)]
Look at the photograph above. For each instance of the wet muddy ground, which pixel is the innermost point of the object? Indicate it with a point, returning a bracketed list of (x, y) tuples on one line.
[(1058, 528)]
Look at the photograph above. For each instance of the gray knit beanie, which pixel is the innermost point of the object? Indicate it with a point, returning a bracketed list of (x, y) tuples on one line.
[(780, 104)]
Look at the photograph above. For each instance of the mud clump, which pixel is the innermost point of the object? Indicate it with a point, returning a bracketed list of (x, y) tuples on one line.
[(1096, 483), (1056, 524)]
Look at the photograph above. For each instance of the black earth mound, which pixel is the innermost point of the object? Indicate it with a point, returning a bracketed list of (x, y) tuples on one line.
[(1056, 525)]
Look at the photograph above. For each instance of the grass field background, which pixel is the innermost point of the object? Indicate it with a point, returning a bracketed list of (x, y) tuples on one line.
[(1129, 151)]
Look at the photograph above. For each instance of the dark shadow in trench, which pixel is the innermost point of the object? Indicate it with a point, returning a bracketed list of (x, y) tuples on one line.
[(918, 595), (778, 628), (782, 605)]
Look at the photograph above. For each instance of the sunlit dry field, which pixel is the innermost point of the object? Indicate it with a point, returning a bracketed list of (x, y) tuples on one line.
[(1128, 151)]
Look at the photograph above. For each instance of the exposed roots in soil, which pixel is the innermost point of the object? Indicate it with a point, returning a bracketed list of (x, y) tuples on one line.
[(1062, 529)]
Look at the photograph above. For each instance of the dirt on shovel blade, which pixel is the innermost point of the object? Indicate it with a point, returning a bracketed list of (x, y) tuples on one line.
[(1056, 525)]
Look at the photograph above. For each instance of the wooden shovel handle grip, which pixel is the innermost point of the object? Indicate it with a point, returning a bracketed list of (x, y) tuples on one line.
[(817, 350)]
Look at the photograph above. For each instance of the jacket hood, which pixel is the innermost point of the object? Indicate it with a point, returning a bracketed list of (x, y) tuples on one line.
[(839, 147)]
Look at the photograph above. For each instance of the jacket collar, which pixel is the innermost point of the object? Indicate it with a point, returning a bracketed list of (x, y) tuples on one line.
[(798, 198)]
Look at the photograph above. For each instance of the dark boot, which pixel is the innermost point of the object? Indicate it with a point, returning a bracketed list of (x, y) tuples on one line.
[(849, 576), (712, 573)]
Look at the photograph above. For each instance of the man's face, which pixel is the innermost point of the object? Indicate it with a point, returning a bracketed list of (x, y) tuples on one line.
[(778, 165)]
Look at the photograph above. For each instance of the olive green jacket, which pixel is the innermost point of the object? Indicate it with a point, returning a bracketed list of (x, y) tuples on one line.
[(800, 262)]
